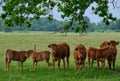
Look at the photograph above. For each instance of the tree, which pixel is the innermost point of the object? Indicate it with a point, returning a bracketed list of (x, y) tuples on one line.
[(118, 24), (21, 12)]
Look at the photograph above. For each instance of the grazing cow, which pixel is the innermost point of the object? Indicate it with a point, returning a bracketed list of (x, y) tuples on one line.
[(14, 55), (79, 56), (40, 56), (111, 59), (60, 51), (99, 55)]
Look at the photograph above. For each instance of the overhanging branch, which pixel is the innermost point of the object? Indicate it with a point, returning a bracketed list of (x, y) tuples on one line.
[(114, 3)]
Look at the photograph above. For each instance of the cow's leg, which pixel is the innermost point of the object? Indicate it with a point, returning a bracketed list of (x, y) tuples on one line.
[(53, 64), (48, 64), (82, 65), (79, 65), (103, 64), (92, 63), (36, 62), (59, 64), (67, 62), (63, 62), (8, 64), (21, 65), (98, 65), (33, 66), (114, 64), (76, 63), (89, 62), (109, 63)]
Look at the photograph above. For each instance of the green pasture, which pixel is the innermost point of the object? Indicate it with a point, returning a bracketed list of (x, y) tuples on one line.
[(26, 41)]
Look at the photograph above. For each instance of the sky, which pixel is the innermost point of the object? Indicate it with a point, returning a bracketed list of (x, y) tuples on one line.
[(89, 13), (96, 19)]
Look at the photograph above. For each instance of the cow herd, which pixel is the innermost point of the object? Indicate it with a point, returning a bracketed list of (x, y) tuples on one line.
[(107, 51)]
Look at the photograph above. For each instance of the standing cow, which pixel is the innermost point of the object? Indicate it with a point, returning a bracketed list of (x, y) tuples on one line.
[(99, 55), (111, 59), (79, 56), (40, 56), (60, 51), (13, 55)]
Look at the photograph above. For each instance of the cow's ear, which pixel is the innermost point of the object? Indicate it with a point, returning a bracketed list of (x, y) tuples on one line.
[(56, 45), (117, 43), (108, 43), (49, 46), (76, 49)]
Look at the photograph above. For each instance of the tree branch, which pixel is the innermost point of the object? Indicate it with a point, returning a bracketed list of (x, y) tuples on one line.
[(112, 1)]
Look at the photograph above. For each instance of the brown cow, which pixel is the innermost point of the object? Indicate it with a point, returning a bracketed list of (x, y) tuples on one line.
[(60, 51), (111, 59), (99, 55), (79, 56), (40, 56), (14, 55)]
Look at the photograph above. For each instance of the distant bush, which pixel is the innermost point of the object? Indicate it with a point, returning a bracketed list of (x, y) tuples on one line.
[(117, 30)]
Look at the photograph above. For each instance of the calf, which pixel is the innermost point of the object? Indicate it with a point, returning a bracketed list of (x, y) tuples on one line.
[(40, 56), (99, 55), (111, 59), (14, 55), (60, 51), (79, 56)]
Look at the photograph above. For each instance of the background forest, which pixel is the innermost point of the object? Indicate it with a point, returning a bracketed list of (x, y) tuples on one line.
[(43, 24)]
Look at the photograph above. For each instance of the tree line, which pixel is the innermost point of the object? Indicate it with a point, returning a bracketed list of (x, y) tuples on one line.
[(43, 24)]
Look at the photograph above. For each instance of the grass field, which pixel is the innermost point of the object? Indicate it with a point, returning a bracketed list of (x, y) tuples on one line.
[(25, 41)]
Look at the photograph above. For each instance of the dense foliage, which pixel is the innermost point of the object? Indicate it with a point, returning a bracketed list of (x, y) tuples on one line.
[(21, 12)]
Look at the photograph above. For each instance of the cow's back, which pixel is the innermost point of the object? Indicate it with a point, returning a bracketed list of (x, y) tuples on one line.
[(63, 50), (92, 53), (12, 54)]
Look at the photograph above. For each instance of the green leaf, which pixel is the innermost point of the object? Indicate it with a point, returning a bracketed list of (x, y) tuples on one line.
[(107, 22), (3, 16)]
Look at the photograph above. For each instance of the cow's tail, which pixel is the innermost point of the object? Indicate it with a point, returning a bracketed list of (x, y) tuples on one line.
[(68, 51), (68, 55), (6, 58)]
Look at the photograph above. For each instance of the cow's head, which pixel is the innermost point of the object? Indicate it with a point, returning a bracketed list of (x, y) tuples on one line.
[(53, 46), (113, 42), (53, 49), (81, 55), (80, 52), (104, 44), (29, 52)]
